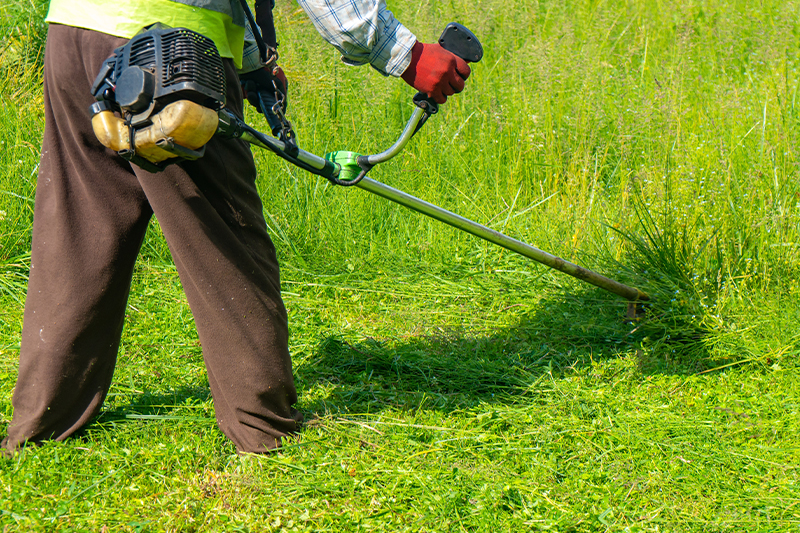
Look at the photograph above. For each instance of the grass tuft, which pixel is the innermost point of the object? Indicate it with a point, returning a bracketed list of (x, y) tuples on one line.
[(447, 384), (14, 277)]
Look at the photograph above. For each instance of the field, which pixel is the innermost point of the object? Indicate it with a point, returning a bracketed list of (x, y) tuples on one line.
[(448, 384)]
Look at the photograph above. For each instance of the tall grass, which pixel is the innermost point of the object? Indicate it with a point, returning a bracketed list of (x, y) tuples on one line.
[(578, 108), (654, 139), (568, 115), (22, 33), (448, 384)]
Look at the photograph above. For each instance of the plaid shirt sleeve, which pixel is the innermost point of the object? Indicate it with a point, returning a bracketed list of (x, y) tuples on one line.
[(251, 57), (364, 31)]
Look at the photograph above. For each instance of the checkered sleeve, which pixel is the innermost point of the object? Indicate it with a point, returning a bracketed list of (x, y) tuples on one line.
[(364, 31), (251, 56)]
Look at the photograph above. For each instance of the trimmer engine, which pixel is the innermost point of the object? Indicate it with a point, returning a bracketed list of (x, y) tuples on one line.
[(158, 97)]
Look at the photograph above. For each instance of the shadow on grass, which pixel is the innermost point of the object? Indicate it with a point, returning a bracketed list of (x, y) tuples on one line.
[(455, 369), (147, 405)]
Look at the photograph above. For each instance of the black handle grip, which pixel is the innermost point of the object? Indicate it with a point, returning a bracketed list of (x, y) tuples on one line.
[(462, 42)]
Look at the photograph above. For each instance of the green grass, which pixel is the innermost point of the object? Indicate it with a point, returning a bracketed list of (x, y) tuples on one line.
[(447, 384), (428, 410)]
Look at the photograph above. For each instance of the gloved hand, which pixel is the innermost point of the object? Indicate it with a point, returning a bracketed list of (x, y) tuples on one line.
[(268, 86), (435, 71)]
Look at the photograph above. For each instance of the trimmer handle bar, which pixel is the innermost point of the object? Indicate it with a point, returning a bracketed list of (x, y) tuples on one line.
[(458, 40), (455, 39)]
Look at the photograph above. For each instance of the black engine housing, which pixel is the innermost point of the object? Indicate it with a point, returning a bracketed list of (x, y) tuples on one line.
[(157, 67)]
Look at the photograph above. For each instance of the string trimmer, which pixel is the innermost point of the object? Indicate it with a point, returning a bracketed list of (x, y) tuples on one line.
[(161, 99)]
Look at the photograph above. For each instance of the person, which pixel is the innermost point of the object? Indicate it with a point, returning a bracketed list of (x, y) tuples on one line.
[(92, 209)]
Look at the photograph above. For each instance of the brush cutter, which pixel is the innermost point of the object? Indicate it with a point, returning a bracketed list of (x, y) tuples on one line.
[(161, 99)]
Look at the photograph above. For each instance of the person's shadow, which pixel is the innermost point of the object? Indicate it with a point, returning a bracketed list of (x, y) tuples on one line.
[(455, 369), (450, 370)]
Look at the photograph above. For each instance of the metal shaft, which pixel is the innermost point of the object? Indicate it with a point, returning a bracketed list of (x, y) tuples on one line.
[(464, 224), (230, 126), (306, 159)]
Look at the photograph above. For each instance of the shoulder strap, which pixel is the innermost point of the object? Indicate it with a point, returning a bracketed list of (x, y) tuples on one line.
[(266, 22), (263, 27)]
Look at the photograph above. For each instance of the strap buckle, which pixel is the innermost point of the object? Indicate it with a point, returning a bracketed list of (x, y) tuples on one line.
[(287, 133)]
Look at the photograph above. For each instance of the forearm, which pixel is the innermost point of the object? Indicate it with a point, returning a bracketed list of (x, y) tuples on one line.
[(364, 31)]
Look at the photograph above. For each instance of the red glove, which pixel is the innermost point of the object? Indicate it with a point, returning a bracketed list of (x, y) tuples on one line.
[(435, 71)]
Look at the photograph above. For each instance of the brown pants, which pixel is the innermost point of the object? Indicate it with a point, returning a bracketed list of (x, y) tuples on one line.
[(92, 209)]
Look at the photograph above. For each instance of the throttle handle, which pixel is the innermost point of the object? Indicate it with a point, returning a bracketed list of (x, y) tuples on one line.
[(457, 40), (460, 41)]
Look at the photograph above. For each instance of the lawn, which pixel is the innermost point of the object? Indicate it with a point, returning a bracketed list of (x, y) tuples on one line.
[(448, 384)]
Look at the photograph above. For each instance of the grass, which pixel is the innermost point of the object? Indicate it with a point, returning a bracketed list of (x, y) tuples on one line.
[(431, 412), (448, 385)]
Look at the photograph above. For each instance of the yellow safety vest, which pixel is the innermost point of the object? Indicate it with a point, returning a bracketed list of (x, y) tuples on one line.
[(222, 21)]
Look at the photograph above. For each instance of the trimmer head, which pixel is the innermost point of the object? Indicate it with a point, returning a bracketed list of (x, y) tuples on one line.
[(636, 311)]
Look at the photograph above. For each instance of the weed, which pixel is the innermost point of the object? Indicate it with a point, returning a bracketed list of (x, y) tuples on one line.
[(447, 384)]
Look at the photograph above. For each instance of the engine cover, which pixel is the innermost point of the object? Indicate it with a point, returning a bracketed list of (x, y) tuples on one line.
[(158, 67), (158, 97)]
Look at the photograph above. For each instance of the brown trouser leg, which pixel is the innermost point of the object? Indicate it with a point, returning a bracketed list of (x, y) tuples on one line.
[(91, 212)]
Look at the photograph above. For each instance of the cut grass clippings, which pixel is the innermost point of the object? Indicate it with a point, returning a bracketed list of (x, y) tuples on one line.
[(439, 414), (447, 384)]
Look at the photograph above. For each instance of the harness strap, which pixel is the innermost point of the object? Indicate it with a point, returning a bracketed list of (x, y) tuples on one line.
[(266, 22), (263, 28)]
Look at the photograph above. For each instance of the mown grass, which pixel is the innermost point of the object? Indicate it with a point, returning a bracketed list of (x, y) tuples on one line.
[(448, 385), (427, 411)]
